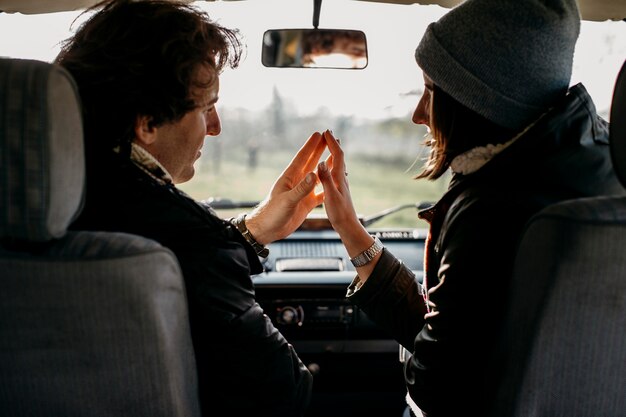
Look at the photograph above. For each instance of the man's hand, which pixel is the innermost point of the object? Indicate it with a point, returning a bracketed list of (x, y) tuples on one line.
[(292, 196)]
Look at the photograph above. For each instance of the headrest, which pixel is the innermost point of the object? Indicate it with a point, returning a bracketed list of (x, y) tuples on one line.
[(617, 129), (42, 162)]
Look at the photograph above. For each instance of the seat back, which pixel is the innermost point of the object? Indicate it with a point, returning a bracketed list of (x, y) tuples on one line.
[(91, 323), (565, 338)]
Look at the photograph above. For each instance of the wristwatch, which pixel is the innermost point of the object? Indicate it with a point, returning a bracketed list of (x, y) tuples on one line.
[(240, 223), (368, 254)]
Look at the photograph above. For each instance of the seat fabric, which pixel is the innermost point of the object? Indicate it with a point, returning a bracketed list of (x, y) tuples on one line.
[(565, 335), (564, 341), (91, 323)]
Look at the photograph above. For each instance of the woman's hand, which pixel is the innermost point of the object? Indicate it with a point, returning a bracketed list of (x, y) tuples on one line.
[(292, 196), (334, 178), (339, 208)]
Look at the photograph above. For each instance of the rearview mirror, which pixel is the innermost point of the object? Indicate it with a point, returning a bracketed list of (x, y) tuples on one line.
[(314, 48)]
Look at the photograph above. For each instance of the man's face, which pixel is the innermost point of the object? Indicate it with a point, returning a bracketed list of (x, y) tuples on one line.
[(177, 145)]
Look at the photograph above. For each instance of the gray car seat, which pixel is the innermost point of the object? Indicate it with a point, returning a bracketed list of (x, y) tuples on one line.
[(91, 323), (565, 334)]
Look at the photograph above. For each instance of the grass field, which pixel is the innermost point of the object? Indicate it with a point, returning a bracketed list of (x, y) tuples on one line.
[(376, 184)]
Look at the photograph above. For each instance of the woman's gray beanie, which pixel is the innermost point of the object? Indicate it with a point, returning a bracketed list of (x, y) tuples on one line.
[(507, 60)]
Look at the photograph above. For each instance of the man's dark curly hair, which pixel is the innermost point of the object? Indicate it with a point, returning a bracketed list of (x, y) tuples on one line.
[(139, 58)]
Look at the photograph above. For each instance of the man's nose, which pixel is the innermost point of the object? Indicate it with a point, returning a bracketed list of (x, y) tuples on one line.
[(213, 125)]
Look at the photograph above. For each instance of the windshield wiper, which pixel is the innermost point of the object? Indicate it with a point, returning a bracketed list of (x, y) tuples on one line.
[(218, 203), (366, 221), (314, 222)]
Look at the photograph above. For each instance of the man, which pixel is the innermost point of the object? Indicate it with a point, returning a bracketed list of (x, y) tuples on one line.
[(148, 76)]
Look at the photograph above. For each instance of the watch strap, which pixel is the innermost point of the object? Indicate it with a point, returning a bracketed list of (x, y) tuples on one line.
[(240, 223), (368, 254)]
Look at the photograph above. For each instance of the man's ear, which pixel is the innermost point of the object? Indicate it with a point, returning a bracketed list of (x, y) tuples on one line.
[(145, 131)]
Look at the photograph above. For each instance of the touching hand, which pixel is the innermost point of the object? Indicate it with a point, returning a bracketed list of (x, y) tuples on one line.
[(339, 207), (334, 178), (292, 196)]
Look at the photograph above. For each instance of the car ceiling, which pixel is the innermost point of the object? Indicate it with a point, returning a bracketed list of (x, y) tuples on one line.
[(590, 9)]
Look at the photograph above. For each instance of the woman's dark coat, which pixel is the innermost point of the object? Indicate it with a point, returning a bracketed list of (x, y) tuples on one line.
[(474, 231)]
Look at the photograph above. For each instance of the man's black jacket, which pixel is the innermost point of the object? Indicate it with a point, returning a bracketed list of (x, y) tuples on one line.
[(245, 365)]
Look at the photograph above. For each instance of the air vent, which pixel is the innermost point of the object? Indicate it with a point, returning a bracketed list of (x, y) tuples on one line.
[(308, 249)]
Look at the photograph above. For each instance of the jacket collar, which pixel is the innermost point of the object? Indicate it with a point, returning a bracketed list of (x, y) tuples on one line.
[(149, 165), (571, 124), (472, 160)]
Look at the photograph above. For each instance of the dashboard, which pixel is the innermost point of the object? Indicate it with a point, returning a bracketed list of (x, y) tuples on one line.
[(354, 362)]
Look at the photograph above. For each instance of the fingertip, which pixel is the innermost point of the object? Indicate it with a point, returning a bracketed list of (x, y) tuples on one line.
[(315, 136), (322, 171), (332, 141)]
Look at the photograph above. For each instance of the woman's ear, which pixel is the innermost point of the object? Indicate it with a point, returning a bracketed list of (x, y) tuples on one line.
[(145, 131)]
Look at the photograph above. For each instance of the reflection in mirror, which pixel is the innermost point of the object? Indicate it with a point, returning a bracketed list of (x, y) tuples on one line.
[(315, 48)]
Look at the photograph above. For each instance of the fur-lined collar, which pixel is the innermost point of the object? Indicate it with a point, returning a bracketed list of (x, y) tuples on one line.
[(471, 161)]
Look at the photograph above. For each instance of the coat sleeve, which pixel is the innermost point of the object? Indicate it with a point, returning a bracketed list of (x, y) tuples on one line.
[(392, 297), (452, 344)]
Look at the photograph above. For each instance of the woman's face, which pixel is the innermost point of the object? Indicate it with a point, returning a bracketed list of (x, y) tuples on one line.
[(421, 115)]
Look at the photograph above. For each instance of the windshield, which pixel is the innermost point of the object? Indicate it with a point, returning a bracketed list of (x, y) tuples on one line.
[(267, 113)]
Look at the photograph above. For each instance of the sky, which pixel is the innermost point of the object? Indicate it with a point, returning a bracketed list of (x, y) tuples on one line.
[(386, 88)]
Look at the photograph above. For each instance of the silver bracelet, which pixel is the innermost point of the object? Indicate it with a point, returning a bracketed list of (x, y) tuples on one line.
[(368, 254)]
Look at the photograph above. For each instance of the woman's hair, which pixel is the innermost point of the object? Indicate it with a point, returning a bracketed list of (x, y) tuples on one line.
[(455, 129), (140, 58)]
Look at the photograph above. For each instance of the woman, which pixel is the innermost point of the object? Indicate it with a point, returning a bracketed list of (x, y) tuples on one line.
[(516, 139)]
